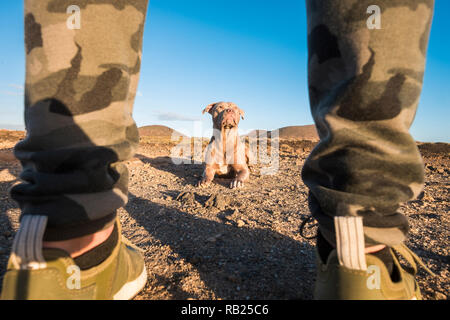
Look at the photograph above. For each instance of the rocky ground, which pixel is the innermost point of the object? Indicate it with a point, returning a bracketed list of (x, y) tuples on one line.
[(218, 243)]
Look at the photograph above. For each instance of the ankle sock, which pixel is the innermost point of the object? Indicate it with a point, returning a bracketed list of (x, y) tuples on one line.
[(98, 254)]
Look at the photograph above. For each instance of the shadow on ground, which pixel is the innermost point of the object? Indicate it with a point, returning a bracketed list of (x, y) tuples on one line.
[(189, 173), (6, 230), (234, 262)]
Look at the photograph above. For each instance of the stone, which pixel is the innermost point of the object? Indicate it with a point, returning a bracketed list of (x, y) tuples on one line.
[(217, 201), (440, 296), (186, 197)]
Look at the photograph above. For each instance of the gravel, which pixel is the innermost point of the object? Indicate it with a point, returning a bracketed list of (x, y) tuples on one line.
[(221, 243)]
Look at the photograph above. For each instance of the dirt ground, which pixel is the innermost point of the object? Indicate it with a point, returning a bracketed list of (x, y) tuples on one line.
[(219, 243)]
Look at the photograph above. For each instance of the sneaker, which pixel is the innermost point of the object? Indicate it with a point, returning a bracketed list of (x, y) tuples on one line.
[(34, 273), (337, 282)]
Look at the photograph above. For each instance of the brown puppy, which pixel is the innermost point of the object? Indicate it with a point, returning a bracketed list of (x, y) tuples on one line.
[(226, 154)]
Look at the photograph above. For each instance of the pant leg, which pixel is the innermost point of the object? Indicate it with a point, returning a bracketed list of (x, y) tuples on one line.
[(364, 88), (79, 92)]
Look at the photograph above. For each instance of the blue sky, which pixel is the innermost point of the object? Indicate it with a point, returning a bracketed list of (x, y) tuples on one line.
[(250, 52)]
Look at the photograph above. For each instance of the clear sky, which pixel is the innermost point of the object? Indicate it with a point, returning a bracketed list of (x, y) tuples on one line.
[(251, 52)]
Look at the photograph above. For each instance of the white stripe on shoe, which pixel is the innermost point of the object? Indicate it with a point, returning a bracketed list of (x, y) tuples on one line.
[(26, 250), (350, 242), (130, 289)]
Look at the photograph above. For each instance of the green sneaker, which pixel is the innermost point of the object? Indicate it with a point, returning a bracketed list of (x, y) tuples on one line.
[(51, 274), (350, 274), (336, 282)]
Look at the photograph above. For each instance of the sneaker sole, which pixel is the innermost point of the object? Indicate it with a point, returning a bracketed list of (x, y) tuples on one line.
[(130, 289)]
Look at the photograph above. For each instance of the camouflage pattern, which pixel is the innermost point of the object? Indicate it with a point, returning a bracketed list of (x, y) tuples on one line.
[(79, 94), (364, 87)]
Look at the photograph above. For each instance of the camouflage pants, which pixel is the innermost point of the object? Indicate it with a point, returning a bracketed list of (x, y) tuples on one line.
[(79, 92), (80, 86), (364, 87)]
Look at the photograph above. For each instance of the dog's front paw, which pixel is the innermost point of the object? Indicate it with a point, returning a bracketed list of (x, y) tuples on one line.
[(236, 183), (203, 183)]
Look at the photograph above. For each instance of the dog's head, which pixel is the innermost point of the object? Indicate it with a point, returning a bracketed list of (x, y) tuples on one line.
[(225, 115)]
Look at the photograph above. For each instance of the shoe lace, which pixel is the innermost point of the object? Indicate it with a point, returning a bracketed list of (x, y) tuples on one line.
[(411, 258), (303, 226)]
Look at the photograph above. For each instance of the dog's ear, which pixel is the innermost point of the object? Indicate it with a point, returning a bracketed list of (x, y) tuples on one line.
[(209, 108), (241, 113)]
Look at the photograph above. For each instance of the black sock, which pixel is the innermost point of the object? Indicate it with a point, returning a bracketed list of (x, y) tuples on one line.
[(385, 256), (324, 247), (100, 253)]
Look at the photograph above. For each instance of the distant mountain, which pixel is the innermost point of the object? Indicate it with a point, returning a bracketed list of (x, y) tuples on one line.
[(12, 127), (157, 131), (258, 133), (307, 132)]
